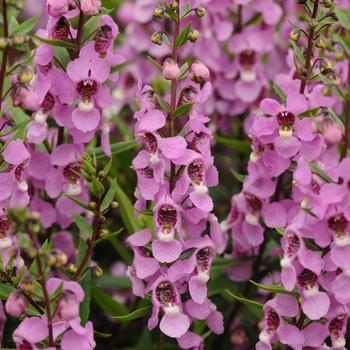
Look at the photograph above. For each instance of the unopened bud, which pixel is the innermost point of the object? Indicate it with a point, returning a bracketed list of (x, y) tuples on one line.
[(314, 23), (171, 69), (200, 72), (193, 36), (158, 12), (114, 205), (3, 43), (25, 75), (339, 55), (103, 232), (294, 35), (321, 43), (97, 271), (18, 40), (92, 205), (35, 42), (72, 268), (28, 284), (61, 258), (157, 38), (102, 174), (200, 11), (175, 5)]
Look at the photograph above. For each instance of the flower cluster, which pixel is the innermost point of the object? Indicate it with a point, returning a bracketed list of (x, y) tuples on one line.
[(175, 171)]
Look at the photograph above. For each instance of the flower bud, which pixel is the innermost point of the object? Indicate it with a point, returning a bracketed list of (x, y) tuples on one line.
[(103, 232), (193, 36), (339, 55), (332, 133), (68, 306), (97, 271), (16, 304), (25, 75), (92, 205), (175, 5), (313, 23), (101, 174), (90, 7), (61, 257), (200, 11), (294, 35), (157, 38), (158, 12), (51, 259), (18, 40), (321, 43), (200, 72), (114, 205), (72, 268), (171, 69), (28, 284), (3, 43)]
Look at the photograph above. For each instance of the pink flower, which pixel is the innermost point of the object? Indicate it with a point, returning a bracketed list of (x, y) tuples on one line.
[(90, 7), (171, 69)]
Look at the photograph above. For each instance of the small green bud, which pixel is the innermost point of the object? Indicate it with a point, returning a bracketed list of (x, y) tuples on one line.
[(175, 5), (200, 11), (51, 259), (28, 284), (158, 12), (25, 75), (103, 232), (92, 205), (313, 23), (294, 35), (72, 268), (157, 38), (18, 40), (114, 205), (321, 43), (97, 271), (101, 174), (3, 43), (193, 35)]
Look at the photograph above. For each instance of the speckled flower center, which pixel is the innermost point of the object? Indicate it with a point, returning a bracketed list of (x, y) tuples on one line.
[(19, 171), (307, 279), (150, 142), (5, 225), (87, 88), (147, 173), (336, 326), (103, 39), (204, 257), (285, 119), (338, 223), (187, 95), (25, 346), (272, 320), (48, 103), (315, 186), (293, 244), (71, 172), (61, 29), (196, 171), (254, 203), (167, 217), (165, 293), (247, 58)]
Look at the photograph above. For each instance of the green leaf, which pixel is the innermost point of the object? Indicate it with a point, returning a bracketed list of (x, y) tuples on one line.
[(298, 53), (156, 64), (107, 167), (5, 291), (83, 224), (14, 128), (343, 16), (107, 200), (109, 236), (237, 175), (101, 335), (279, 230), (164, 105), (279, 91), (78, 202), (90, 26), (85, 283), (274, 288), (217, 285), (309, 113), (107, 303), (13, 24), (122, 251), (143, 311), (182, 38), (253, 305), (113, 282), (116, 148), (62, 43), (316, 170), (221, 262), (26, 26), (126, 210), (183, 110), (238, 145), (336, 118)]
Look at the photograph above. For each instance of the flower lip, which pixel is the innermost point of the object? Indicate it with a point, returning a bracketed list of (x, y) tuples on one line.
[(61, 29)]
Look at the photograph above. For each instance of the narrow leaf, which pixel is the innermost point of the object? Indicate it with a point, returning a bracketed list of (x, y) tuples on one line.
[(62, 43), (254, 305), (143, 311), (279, 91), (107, 200), (116, 148), (78, 202), (316, 170), (26, 26), (274, 288), (298, 53), (183, 110), (238, 145), (182, 38), (107, 303), (156, 64), (83, 224), (237, 175), (109, 236)]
